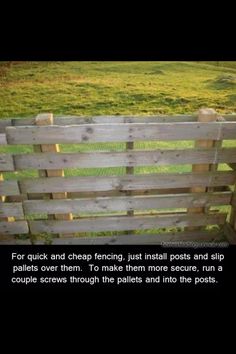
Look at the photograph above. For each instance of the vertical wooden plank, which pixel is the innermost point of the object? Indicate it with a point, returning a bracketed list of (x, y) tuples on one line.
[(8, 219), (47, 119), (217, 144), (129, 171), (204, 115), (232, 220)]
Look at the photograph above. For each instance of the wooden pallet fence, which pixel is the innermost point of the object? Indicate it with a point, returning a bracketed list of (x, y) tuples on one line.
[(139, 201)]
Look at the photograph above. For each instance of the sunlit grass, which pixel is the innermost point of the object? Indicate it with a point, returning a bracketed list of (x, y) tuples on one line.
[(116, 88)]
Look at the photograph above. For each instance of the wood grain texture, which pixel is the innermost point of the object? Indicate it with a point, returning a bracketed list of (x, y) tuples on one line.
[(120, 132), (119, 223), (205, 116), (47, 120), (75, 120), (56, 160), (9, 188), (11, 209), (126, 203), (3, 124), (3, 139), (6, 162), (13, 228), (130, 182)]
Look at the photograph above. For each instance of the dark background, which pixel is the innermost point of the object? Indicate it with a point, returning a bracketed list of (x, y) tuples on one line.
[(177, 32)]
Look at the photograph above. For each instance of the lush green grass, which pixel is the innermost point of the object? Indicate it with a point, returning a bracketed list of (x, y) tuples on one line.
[(94, 88), (103, 88)]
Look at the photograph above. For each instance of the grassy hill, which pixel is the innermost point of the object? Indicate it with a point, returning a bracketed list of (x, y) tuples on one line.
[(95, 88)]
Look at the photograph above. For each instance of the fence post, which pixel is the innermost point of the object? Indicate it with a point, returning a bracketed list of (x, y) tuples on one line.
[(204, 115), (47, 119), (130, 171), (232, 220)]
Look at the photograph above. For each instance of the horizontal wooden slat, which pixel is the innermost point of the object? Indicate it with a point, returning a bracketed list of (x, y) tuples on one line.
[(9, 188), (139, 239), (75, 120), (6, 162), (126, 203), (120, 132), (13, 228), (114, 193), (120, 223), (115, 159), (229, 117), (119, 193), (127, 182), (11, 209), (3, 139)]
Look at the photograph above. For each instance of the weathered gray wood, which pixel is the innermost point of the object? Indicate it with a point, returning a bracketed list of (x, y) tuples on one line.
[(120, 132), (3, 124), (120, 223), (14, 241), (205, 116), (230, 233), (232, 219), (229, 117), (2, 200), (42, 120), (6, 162), (126, 203), (55, 161), (119, 193), (9, 188), (75, 120), (123, 119), (113, 193), (149, 239), (129, 171), (128, 182), (11, 209), (3, 139), (13, 228)]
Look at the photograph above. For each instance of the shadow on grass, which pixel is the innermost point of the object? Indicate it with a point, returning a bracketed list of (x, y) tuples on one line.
[(222, 82)]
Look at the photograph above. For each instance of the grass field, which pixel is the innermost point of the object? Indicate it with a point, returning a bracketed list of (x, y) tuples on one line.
[(115, 88), (103, 88), (94, 88)]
